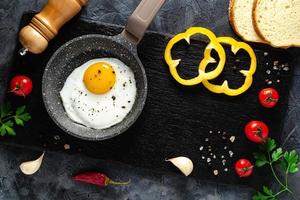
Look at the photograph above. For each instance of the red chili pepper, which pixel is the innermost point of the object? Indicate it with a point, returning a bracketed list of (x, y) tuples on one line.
[(97, 178)]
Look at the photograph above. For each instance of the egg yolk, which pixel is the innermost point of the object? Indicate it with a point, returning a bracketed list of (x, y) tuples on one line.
[(99, 78)]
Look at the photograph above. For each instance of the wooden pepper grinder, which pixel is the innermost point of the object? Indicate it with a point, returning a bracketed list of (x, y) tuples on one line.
[(45, 25)]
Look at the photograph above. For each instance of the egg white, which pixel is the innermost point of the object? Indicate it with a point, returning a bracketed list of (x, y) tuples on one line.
[(104, 110)]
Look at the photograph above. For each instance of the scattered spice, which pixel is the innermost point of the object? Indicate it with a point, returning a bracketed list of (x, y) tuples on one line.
[(67, 147), (274, 71), (210, 153), (232, 139), (56, 137), (223, 162), (216, 172)]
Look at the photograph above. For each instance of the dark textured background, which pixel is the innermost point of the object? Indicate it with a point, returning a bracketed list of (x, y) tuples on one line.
[(174, 17), (182, 116)]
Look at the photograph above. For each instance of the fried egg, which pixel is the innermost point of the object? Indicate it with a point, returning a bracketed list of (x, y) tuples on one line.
[(99, 93)]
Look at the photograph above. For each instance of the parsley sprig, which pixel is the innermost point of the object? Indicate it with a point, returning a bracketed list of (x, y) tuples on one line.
[(8, 118), (271, 155)]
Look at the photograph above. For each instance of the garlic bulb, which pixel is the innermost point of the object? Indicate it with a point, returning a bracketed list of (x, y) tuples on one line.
[(184, 164), (30, 167)]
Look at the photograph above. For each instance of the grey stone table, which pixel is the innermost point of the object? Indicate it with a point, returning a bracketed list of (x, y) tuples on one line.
[(52, 181)]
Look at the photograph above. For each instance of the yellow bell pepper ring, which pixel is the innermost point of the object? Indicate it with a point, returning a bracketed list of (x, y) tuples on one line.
[(214, 44), (224, 88)]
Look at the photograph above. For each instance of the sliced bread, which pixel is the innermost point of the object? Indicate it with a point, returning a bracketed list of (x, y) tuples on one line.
[(240, 17), (278, 21)]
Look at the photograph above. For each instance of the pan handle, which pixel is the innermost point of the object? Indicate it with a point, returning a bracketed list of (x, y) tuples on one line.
[(140, 19)]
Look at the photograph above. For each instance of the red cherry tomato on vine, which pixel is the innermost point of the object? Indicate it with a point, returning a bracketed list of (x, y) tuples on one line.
[(257, 131), (268, 97), (243, 168), (21, 85)]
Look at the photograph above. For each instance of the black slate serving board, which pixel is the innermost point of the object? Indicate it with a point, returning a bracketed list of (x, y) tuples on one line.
[(176, 120)]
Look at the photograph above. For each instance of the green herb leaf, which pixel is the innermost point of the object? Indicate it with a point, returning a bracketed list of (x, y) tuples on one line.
[(2, 130), (9, 123), (19, 121), (20, 110), (5, 109), (291, 157), (21, 116), (283, 164), (260, 163), (8, 127), (292, 160), (261, 159), (25, 117), (270, 144), (260, 196), (267, 191), (293, 168), (277, 154), (10, 131)]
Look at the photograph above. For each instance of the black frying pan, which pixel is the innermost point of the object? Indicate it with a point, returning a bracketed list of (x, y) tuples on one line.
[(84, 48)]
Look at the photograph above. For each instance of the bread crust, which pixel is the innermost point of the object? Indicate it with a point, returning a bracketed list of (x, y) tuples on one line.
[(258, 31), (254, 22), (233, 25), (231, 19)]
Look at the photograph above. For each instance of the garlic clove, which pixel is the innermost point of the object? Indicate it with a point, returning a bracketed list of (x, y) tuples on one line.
[(31, 167), (184, 164)]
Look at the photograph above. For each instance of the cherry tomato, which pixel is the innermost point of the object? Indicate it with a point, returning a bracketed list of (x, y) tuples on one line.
[(21, 85), (257, 131), (243, 168), (268, 97)]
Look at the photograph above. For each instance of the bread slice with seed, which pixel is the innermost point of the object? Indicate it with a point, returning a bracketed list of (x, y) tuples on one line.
[(240, 17), (278, 21)]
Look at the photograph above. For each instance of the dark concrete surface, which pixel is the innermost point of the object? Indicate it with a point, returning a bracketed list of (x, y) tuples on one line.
[(175, 16)]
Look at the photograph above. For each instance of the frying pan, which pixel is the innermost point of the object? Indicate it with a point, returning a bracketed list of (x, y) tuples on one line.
[(84, 48)]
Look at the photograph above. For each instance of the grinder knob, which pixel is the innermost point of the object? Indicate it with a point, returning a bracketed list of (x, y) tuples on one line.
[(45, 25)]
